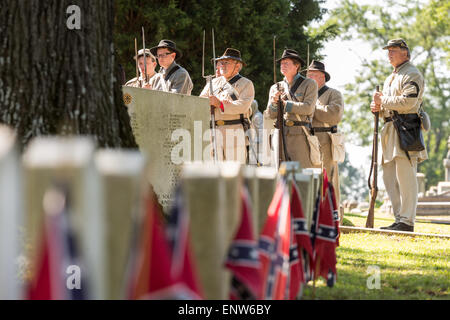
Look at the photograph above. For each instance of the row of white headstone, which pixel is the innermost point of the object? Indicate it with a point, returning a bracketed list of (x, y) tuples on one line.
[(106, 189)]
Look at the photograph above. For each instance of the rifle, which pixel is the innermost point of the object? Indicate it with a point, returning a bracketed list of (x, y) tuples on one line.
[(373, 187), (209, 79), (280, 116), (145, 56), (137, 63)]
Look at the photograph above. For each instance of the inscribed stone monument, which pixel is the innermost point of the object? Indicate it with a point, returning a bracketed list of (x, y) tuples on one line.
[(170, 129)]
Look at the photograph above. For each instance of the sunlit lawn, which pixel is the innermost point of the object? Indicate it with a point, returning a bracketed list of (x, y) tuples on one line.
[(410, 267)]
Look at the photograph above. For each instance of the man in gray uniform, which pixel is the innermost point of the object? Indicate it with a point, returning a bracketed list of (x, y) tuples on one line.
[(402, 92), (299, 98), (171, 77), (328, 114)]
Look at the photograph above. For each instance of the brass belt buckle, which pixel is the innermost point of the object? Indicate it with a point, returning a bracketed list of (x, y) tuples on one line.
[(220, 122), (289, 123)]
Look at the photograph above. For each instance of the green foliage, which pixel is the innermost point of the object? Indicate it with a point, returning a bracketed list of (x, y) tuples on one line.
[(353, 185), (426, 28), (248, 26)]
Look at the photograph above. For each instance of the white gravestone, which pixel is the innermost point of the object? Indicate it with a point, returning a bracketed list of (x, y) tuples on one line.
[(69, 161), (270, 143), (252, 183), (212, 199), (305, 184), (267, 181), (316, 181), (122, 175)]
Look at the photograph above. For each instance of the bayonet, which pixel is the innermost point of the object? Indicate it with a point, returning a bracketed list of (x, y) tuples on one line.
[(145, 56), (137, 63), (209, 80)]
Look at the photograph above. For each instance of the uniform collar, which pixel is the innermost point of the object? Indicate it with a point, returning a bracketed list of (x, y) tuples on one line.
[(298, 75), (237, 75), (397, 69), (164, 71)]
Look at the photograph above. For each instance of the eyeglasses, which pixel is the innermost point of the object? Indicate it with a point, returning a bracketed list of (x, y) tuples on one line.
[(225, 63), (163, 55)]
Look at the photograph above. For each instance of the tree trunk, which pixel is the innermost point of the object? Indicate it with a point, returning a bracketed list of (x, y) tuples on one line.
[(59, 80)]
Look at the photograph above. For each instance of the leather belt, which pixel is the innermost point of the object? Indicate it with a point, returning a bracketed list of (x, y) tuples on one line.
[(291, 123), (225, 122), (332, 129)]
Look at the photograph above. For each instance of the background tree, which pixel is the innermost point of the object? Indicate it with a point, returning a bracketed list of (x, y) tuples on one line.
[(353, 183), (55, 80), (245, 25), (426, 28)]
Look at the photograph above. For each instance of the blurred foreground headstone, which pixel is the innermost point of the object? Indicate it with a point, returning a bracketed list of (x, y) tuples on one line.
[(122, 176), (69, 162), (11, 212), (212, 194)]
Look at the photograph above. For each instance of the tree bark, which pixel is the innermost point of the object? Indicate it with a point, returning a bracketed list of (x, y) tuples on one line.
[(58, 81)]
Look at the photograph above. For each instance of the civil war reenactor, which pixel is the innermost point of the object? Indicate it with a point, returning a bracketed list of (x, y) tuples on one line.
[(401, 97), (232, 98), (298, 95), (140, 82), (171, 77), (327, 115)]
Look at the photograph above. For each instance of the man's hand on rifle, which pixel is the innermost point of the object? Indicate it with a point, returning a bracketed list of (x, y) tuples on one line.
[(275, 98), (375, 106), (213, 101)]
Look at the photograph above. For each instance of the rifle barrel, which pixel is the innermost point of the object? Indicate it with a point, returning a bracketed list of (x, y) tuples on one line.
[(145, 55), (374, 168)]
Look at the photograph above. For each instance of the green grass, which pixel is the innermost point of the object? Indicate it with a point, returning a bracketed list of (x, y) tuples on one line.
[(410, 267)]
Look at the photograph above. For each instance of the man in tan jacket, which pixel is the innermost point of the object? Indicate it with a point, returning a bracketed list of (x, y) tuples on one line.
[(328, 114), (402, 92), (299, 99), (232, 98), (139, 82)]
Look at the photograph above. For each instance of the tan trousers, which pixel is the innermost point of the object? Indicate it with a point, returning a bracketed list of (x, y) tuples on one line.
[(400, 180), (332, 170), (298, 149), (231, 143)]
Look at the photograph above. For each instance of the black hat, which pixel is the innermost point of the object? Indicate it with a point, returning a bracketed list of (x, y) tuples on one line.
[(141, 54), (231, 53), (169, 44), (319, 66), (291, 54), (396, 43)]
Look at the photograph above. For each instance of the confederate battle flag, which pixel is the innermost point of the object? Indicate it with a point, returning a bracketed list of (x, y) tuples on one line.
[(274, 244), (324, 236), (243, 257)]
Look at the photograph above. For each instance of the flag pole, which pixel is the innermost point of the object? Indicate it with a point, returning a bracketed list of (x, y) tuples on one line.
[(315, 277)]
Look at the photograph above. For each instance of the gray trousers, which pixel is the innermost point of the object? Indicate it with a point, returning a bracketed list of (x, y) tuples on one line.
[(400, 180)]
